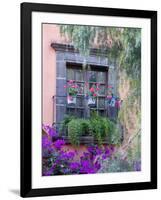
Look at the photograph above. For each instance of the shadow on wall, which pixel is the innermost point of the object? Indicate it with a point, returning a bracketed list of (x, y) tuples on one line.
[(15, 192)]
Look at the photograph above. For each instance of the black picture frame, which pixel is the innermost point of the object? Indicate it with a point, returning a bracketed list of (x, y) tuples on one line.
[(26, 94)]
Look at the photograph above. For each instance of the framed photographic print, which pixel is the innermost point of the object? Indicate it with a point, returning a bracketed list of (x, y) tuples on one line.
[(88, 99)]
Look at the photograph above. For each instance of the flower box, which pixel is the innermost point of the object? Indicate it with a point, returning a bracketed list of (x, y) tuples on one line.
[(71, 99), (91, 101)]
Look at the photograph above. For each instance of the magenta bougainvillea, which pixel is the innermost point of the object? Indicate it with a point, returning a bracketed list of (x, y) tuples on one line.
[(57, 160)]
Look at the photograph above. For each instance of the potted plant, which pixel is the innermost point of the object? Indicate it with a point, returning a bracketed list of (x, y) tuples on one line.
[(91, 96), (72, 90)]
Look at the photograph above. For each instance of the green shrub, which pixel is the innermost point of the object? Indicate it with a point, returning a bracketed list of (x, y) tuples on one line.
[(97, 126), (102, 127), (98, 129), (74, 131), (86, 128), (78, 127), (64, 123)]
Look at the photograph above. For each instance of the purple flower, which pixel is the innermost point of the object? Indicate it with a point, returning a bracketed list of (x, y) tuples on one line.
[(74, 165), (67, 155), (98, 151), (46, 143), (104, 156), (70, 155), (97, 165), (90, 171), (65, 170), (87, 167), (91, 148), (50, 131), (64, 160), (112, 148), (107, 152), (95, 150), (57, 161), (85, 164), (86, 155), (59, 143), (137, 166), (49, 171)]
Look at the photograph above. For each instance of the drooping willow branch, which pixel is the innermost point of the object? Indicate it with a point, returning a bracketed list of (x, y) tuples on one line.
[(131, 140)]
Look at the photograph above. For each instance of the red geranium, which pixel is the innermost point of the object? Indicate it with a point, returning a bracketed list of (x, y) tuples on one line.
[(91, 89)]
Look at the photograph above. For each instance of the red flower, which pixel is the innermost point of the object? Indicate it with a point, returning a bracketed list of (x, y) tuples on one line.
[(94, 94), (92, 89)]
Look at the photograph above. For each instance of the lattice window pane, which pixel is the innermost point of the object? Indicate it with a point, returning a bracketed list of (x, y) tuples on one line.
[(70, 111), (80, 113), (70, 74), (102, 90), (80, 88), (101, 102), (95, 79), (101, 77), (80, 102), (102, 113), (79, 75), (92, 76)]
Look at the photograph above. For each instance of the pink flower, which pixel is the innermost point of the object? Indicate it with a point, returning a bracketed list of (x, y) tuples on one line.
[(118, 104), (65, 86), (91, 89), (109, 97), (71, 81), (110, 86), (94, 94)]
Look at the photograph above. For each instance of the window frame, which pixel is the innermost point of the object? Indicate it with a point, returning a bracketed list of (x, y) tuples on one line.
[(96, 68)]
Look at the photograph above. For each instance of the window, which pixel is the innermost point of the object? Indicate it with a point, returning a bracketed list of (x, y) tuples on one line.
[(69, 66), (95, 77)]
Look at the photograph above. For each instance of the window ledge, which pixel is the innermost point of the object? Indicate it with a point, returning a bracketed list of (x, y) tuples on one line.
[(85, 140)]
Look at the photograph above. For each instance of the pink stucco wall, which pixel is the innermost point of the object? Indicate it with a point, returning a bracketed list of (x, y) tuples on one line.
[(50, 34)]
